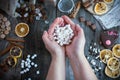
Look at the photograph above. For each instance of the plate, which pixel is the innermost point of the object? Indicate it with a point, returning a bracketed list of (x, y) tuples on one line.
[(93, 3)]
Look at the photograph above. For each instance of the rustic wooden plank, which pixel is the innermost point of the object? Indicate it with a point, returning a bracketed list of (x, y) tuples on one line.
[(90, 35), (13, 72), (34, 45)]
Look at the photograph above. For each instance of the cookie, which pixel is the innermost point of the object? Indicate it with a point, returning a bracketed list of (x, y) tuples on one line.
[(4, 24)]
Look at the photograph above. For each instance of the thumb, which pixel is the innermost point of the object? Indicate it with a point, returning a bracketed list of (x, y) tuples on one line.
[(79, 30), (45, 37), (77, 27)]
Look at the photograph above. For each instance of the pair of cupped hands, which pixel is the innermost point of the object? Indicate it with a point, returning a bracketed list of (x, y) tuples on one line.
[(75, 48)]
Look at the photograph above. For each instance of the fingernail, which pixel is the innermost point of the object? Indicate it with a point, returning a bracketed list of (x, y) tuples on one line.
[(44, 32), (77, 24)]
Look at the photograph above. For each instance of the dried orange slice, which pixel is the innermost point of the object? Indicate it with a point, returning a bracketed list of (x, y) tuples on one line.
[(16, 52), (108, 1), (11, 61), (113, 64), (21, 29), (105, 55), (100, 8), (116, 50), (112, 74)]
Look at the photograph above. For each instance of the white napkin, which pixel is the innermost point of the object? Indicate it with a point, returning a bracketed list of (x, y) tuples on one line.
[(112, 18)]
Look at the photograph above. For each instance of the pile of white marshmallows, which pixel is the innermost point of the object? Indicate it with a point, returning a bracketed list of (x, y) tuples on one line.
[(27, 64), (63, 34)]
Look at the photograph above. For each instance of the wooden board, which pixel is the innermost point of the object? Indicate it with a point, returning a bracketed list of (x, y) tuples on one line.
[(34, 45)]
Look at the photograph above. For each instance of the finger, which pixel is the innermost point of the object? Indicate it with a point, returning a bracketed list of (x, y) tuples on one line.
[(57, 21), (68, 20), (79, 30), (77, 27), (45, 37)]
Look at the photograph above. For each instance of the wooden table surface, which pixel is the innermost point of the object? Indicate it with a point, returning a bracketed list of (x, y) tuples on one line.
[(34, 45)]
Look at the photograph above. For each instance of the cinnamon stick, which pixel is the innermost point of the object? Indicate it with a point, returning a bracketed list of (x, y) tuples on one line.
[(6, 50), (15, 40), (13, 43), (87, 4), (75, 10)]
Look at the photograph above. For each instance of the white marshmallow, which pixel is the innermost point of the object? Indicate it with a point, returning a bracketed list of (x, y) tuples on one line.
[(63, 35), (29, 66), (22, 66), (27, 69), (37, 72), (28, 56), (29, 79), (21, 72), (32, 63), (35, 65)]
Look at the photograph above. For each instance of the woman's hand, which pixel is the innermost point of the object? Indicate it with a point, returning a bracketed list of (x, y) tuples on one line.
[(76, 48), (51, 45)]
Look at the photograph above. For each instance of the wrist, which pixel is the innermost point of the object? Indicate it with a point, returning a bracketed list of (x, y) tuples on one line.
[(76, 54), (58, 55)]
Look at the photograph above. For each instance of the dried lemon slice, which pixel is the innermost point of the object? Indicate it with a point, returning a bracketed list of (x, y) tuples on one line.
[(16, 52), (112, 74), (108, 1), (116, 50), (100, 8), (105, 54), (22, 29), (113, 64), (11, 61)]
